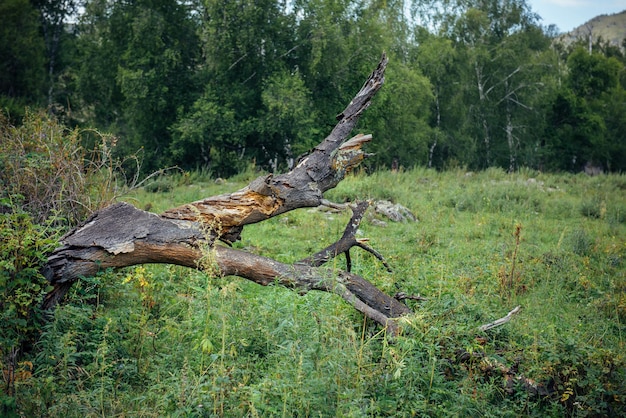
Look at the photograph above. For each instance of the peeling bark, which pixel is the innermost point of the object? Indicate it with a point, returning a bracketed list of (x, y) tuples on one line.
[(122, 235)]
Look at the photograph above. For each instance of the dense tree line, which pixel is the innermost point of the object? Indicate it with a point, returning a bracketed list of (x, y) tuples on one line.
[(216, 85)]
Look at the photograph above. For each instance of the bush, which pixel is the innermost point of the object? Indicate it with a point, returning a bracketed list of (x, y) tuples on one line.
[(23, 248), (44, 170)]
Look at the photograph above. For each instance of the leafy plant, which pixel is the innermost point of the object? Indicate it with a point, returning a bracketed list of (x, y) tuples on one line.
[(23, 248)]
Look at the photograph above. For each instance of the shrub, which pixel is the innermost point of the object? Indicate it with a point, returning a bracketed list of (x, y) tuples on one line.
[(44, 169), (23, 247)]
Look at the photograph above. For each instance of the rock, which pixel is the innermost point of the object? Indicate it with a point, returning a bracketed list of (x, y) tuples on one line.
[(396, 212), (378, 222)]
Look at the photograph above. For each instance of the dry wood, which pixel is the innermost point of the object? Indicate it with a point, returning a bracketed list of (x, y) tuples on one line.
[(500, 321), (346, 242), (122, 235)]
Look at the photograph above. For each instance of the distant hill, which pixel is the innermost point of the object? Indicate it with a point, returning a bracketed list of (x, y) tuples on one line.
[(611, 28)]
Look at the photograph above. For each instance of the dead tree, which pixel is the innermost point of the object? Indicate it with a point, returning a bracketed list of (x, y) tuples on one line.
[(194, 234)]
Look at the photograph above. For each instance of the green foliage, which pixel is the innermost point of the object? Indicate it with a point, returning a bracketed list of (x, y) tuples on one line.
[(591, 75), (210, 86), (164, 340), (208, 138), (583, 128), (42, 163), (290, 115), (23, 249), (22, 59), (134, 72), (400, 116)]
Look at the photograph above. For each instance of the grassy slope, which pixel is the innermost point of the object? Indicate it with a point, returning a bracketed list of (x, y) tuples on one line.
[(162, 340)]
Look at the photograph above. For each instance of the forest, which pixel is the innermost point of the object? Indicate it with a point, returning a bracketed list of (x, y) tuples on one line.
[(214, 86)]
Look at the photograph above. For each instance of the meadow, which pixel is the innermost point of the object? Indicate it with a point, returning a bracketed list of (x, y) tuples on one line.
[(161, 340)]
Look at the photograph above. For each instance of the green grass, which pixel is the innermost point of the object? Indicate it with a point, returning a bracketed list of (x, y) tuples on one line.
[(160, 340)]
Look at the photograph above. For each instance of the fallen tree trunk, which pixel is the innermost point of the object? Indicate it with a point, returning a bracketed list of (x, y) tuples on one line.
[(122, 235)]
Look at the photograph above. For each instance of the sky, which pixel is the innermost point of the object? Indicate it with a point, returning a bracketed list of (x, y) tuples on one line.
[(568, 14)]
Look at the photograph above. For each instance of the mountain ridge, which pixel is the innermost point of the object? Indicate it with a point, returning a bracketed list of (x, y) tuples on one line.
[(609, 27)]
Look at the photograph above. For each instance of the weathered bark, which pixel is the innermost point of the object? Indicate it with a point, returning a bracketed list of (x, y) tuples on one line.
[(122, 235), (347, 241)]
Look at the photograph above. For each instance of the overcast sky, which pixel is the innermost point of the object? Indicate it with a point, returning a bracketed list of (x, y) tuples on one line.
[(568, 14)]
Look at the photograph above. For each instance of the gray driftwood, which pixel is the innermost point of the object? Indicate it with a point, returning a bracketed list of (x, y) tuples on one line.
[(122, 235)]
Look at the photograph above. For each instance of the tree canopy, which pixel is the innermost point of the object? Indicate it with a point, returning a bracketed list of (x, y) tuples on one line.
[(209, 85)]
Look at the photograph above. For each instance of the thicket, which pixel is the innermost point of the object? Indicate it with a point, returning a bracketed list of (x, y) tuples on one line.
[(213, 86)]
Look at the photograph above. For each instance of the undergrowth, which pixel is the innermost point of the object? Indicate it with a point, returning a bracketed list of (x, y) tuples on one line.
[(160, 340)]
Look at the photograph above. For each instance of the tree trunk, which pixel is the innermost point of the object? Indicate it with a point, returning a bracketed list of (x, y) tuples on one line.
[(122, 235)]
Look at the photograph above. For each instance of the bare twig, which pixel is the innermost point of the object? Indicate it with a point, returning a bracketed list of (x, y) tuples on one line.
[(500, 321), (361, 244), (333, 205)]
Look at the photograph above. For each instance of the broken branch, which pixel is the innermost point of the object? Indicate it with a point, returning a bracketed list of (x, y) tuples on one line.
[(500, 321), (122, 235)]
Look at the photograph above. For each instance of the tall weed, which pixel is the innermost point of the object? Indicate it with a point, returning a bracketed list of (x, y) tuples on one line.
[(23, 248)]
